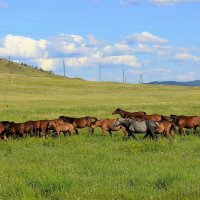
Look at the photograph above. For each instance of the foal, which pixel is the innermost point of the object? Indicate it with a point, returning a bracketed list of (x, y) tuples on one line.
[(106, 125)]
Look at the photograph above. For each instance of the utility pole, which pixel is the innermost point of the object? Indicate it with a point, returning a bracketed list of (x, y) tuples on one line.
[(99, 71), (141, 79), (123, 75), (64, 67)]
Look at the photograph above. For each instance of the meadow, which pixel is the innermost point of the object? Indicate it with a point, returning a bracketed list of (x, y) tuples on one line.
[(94, 166)]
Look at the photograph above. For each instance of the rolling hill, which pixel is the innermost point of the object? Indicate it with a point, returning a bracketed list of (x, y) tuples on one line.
[(9, 67)]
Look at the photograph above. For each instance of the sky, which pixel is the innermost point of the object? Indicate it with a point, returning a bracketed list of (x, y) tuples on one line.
[(156, 38)]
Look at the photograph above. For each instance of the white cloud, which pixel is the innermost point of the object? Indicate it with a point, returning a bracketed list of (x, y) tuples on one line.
[(66, 45), (77, 62), (171, 2), (94, 42), (47, 64), (71, 48), (24, 47), (122, 60), (116, 49), (145, 37), (186, 57), (95, 59), (158, 50)]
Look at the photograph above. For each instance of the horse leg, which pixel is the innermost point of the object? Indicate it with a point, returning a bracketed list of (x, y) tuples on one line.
[(124, 131), (103, 132), (133, 136), (146, 135), (195, 129), (151, 131), (91, 131), (173, 134), (76, 131), (65, 133), (4, 137), (110, 132), (131, 133), (181, 131)]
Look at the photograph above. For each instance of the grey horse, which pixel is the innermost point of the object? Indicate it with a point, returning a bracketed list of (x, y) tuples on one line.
[(133, 126)]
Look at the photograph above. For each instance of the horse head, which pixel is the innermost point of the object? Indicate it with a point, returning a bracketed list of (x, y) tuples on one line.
[(119, 122), (117, 111)]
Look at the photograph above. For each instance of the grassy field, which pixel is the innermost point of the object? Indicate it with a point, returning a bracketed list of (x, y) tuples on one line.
[(94, 167)]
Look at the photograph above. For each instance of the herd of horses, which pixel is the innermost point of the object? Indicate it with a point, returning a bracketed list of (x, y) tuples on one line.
[(130, 123)]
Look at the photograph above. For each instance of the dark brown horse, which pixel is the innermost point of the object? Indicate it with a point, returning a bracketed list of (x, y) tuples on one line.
[(189, 122), (126, 114), (20, 129), (106, 125), (81, 122)]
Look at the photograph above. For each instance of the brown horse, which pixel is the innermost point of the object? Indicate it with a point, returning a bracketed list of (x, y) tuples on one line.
[(125, 114), (189, 122), (106, 125), (154, 117), (61, 127), (167, 128), (20, 129), (81, 122), (4, 125), (2, 130), (40, 127)]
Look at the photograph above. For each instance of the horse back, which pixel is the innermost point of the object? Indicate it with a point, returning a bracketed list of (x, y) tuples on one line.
[(187, 121), (154, 117)]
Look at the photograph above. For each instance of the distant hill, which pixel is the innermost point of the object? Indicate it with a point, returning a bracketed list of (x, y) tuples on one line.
[(188, 83)]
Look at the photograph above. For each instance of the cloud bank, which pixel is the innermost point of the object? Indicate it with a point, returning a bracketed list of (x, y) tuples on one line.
[(140, 52)]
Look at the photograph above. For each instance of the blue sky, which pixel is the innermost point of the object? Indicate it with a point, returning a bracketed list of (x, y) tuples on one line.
[(156, 38)]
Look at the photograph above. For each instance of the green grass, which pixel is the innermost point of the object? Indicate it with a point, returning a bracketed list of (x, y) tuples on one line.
[(94, 167)]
